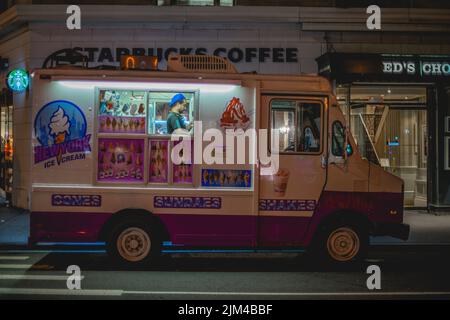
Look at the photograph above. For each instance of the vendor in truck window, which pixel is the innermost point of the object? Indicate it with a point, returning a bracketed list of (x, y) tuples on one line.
[(175, 120)]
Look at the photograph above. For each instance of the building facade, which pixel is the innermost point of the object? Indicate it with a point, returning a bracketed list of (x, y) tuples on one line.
[(399, 117)]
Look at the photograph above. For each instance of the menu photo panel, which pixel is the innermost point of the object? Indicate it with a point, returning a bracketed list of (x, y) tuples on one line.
[(159, 161), (120, 160), (122, 111)]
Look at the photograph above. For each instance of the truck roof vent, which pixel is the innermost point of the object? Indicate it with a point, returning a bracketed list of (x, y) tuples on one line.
[(199, 63)]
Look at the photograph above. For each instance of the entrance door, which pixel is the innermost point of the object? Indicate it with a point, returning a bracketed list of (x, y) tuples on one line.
[(288, 198), (398, 137)]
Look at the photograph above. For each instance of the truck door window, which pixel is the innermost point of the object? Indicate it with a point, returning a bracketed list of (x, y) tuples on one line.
[(284, 121), (299, 125), (338, 139)]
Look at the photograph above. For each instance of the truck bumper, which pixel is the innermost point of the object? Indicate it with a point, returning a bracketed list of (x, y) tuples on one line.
[(396, 230)]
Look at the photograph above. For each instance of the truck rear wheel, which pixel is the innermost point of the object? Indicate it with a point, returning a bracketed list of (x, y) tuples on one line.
[(134, 243), (341, 244)]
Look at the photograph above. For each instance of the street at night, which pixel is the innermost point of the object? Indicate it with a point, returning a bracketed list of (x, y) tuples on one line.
[(415, 272)]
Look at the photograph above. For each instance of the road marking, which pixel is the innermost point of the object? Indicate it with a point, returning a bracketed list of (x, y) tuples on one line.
[(54, 251), (96, 292), (14, 257), (15, 266), (58, 292), (33, 277), (286, 293)]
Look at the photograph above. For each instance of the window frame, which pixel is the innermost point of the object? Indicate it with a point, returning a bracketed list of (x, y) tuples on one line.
[(146, 136), (320, 100)]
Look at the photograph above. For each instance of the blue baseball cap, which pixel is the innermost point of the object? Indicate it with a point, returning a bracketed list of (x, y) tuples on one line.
[(177, 98)]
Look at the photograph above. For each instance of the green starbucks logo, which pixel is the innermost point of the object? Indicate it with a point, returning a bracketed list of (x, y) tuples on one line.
[(18, 80)]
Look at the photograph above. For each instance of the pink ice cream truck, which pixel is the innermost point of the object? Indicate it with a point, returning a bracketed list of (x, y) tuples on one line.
[(269, 164)]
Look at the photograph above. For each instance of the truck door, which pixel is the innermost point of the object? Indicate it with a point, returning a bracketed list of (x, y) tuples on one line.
[(288, 198)]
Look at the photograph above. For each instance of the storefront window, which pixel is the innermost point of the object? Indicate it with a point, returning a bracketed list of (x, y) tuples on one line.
[(6, 147), (389, 124)]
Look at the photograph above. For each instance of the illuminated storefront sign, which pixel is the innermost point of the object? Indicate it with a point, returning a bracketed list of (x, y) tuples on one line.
[(18, 80), (384, 67), (422, 68)]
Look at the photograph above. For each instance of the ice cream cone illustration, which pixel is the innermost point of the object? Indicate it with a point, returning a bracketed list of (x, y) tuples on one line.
[(141, 108), (247, 179), (60, 137), (280, 182), (59, 126), (59, 129)]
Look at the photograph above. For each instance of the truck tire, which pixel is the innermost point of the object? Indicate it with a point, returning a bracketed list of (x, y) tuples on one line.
[(340, 244), (134, 243)]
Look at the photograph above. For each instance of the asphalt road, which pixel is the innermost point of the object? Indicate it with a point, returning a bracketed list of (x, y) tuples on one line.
[(406, 272)]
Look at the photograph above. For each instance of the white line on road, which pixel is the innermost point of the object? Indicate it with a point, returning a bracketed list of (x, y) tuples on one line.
[(386, 293), (15, 266), (14, 257), (95, 292), (58, 292), (33, 277)]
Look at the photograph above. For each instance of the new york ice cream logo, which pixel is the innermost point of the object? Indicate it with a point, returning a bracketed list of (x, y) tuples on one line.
[(60, 129)]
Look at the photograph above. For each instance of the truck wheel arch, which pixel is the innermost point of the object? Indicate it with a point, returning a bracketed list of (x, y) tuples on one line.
[(132, 214), (336, 217)]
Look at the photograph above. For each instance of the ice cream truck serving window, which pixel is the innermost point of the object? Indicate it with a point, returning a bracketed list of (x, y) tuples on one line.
[(131, 122), (134, 130)]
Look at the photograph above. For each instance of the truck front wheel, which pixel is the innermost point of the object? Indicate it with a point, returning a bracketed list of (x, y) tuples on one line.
[(340, 244), (133, 243)]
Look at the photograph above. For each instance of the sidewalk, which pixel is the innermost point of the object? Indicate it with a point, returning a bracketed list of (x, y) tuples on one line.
[(426, 228), (14, 226)]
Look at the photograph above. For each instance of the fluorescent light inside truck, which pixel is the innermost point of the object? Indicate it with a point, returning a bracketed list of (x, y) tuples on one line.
[(173, 86)]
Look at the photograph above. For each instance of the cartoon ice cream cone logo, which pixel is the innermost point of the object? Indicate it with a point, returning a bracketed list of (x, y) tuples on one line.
[(59, 129), (59, 126)]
